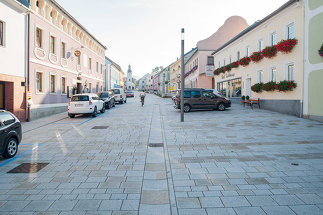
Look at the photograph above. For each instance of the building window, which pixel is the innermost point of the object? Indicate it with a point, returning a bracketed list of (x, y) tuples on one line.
[(274, 74), (260, 77), (63, 85), (63, 50), (291, 31), (39, 38), (273, 38), (2, 33), (97, 66), (248, 51), (90, 63), (90, 87), (52, 45), (260, 45), (238, 55), (101, 68), (290, 70), (224, 62), (79, 60), (97, 88), (230, 59), (52, 83), (219, 64), (210, 60), (39, 82)]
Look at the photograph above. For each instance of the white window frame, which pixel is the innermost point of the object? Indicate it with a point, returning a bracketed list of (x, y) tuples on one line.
[(3, 34), (286, 29), (258, 76), (248, 51), (260, 47), (286, 70), (271, 38), (230, 59), (42, 80), (42, 37), (270, 73), (238, 55), (224, 62), (50, 89), (65, 87)]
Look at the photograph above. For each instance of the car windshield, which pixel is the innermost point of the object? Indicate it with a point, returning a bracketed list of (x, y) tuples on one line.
[(104, 95), (80, 98), (111, 93), (116, 91), (130, 92)]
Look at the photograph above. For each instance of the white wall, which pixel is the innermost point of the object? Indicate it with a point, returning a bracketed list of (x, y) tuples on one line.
[(12, 55)]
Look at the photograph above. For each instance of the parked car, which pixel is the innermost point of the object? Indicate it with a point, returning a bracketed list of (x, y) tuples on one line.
[(215, 92), (199, 98), (120, 95), (10, 134), (130, 94), (86, 103), (108, 98)]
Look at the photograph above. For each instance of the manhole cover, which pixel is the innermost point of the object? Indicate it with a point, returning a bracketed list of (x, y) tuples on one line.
[(295, 164), (100, 127), (156, 144), (28, 168)]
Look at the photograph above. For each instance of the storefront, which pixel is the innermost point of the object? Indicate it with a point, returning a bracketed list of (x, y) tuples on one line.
[(230, 88)]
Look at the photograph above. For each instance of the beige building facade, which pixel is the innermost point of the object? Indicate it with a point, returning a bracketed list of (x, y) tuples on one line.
[(286, 23), (175, 74)]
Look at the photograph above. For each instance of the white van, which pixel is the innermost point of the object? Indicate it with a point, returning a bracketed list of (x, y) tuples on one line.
[(120, 95)]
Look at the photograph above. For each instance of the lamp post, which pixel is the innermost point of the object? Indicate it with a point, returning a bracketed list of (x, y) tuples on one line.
[(182, 75)]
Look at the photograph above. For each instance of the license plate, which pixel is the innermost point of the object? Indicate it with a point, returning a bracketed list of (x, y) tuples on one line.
[(78, 105)]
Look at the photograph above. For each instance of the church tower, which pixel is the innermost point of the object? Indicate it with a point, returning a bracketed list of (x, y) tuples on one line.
[(129, 79)]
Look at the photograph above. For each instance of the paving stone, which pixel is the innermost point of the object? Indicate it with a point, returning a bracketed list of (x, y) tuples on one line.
[(188, 203), (155, 185), (249, 210), (235, 201), (130, 205), (154, 209), (110, 205), (220, 211), (310, 198), (307, 209), (261, 201), (209, 202), (63, 205), (274, 210), (154, 197), (192, 212), (287, 200)]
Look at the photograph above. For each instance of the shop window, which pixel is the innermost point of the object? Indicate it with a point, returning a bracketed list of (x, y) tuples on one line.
[(290, 72), (63, 50), (52, 45), (39, 38), (53, 83), (2, 33), (273, 38), (63, 87), (39, 82), (291, 31)]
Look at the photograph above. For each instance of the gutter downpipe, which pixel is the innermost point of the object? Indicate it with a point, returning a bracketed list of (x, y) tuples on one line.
[(304, 61), (27, 70)]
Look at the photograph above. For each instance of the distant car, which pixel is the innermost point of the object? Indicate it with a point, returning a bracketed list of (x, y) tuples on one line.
[(108, 98), (87, 103), (10, 134), (120, 95), (130, 94), (199, 98)]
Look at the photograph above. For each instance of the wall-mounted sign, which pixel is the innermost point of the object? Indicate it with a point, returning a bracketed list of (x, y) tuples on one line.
[(227, 75), (29, 95), (209, 70), (77, 53)]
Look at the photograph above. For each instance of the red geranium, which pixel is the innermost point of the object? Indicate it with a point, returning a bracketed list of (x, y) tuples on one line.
[(244, 61), (256, 56), (286, 46), (269, 52)]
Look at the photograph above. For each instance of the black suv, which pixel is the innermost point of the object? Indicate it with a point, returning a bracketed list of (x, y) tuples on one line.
[(10, 134), (199, 98), (108, 98)]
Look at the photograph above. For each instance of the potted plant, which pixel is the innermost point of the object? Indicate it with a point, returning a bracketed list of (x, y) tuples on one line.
[(321, 50), (243, 98), (247, 97)]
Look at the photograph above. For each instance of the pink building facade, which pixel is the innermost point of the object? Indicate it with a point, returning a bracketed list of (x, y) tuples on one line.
[(64, 59), (155, 81), (200, 66)]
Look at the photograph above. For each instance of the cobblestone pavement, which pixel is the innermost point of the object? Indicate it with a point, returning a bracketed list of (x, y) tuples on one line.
[(142, 160)]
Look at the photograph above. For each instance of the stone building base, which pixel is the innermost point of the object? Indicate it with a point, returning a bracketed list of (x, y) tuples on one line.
[(43, 110), (290, 107)]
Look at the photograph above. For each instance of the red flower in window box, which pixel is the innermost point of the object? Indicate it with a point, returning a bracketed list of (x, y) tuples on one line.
[(257, 87), (321, 51), (244, 61), (218, 71), (286, 46), (256, 56), (234, 64), (269, 52)]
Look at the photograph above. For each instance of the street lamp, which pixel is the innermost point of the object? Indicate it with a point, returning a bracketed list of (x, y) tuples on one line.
[(182, 75)]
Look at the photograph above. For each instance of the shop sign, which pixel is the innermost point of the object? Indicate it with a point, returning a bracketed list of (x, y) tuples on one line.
[(171, 88), (29, 95), (227, 75), (209, 71)]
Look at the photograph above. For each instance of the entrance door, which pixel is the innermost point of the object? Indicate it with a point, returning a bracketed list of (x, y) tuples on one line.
[(79, 88), (248, 87), (2, 105)]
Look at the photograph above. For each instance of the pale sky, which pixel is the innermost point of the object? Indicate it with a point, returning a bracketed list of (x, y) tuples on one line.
[(146, 33)]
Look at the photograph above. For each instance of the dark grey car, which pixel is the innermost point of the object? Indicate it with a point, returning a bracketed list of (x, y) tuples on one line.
[(10, 134), (108, 98)]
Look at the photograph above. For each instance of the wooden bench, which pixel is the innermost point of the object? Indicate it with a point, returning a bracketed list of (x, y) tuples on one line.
[(251, 102)]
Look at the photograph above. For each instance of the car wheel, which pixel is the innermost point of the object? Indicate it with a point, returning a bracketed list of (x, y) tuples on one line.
[(121, 101), (221, 107), (114, 104), (94, 112), (109, 105), (187, 108), (103, 109), (11, 148), (125, 101), (71, 115)]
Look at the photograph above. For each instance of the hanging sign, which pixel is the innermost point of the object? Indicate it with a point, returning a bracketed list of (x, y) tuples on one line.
[(77, 53), (29, 95)]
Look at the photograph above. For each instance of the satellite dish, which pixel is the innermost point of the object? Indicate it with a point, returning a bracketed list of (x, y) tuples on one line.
[(68, 55)]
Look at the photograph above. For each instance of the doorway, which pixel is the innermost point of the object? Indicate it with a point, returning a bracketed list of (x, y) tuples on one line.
[(248, 87), (2, 93), (79, 88)]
